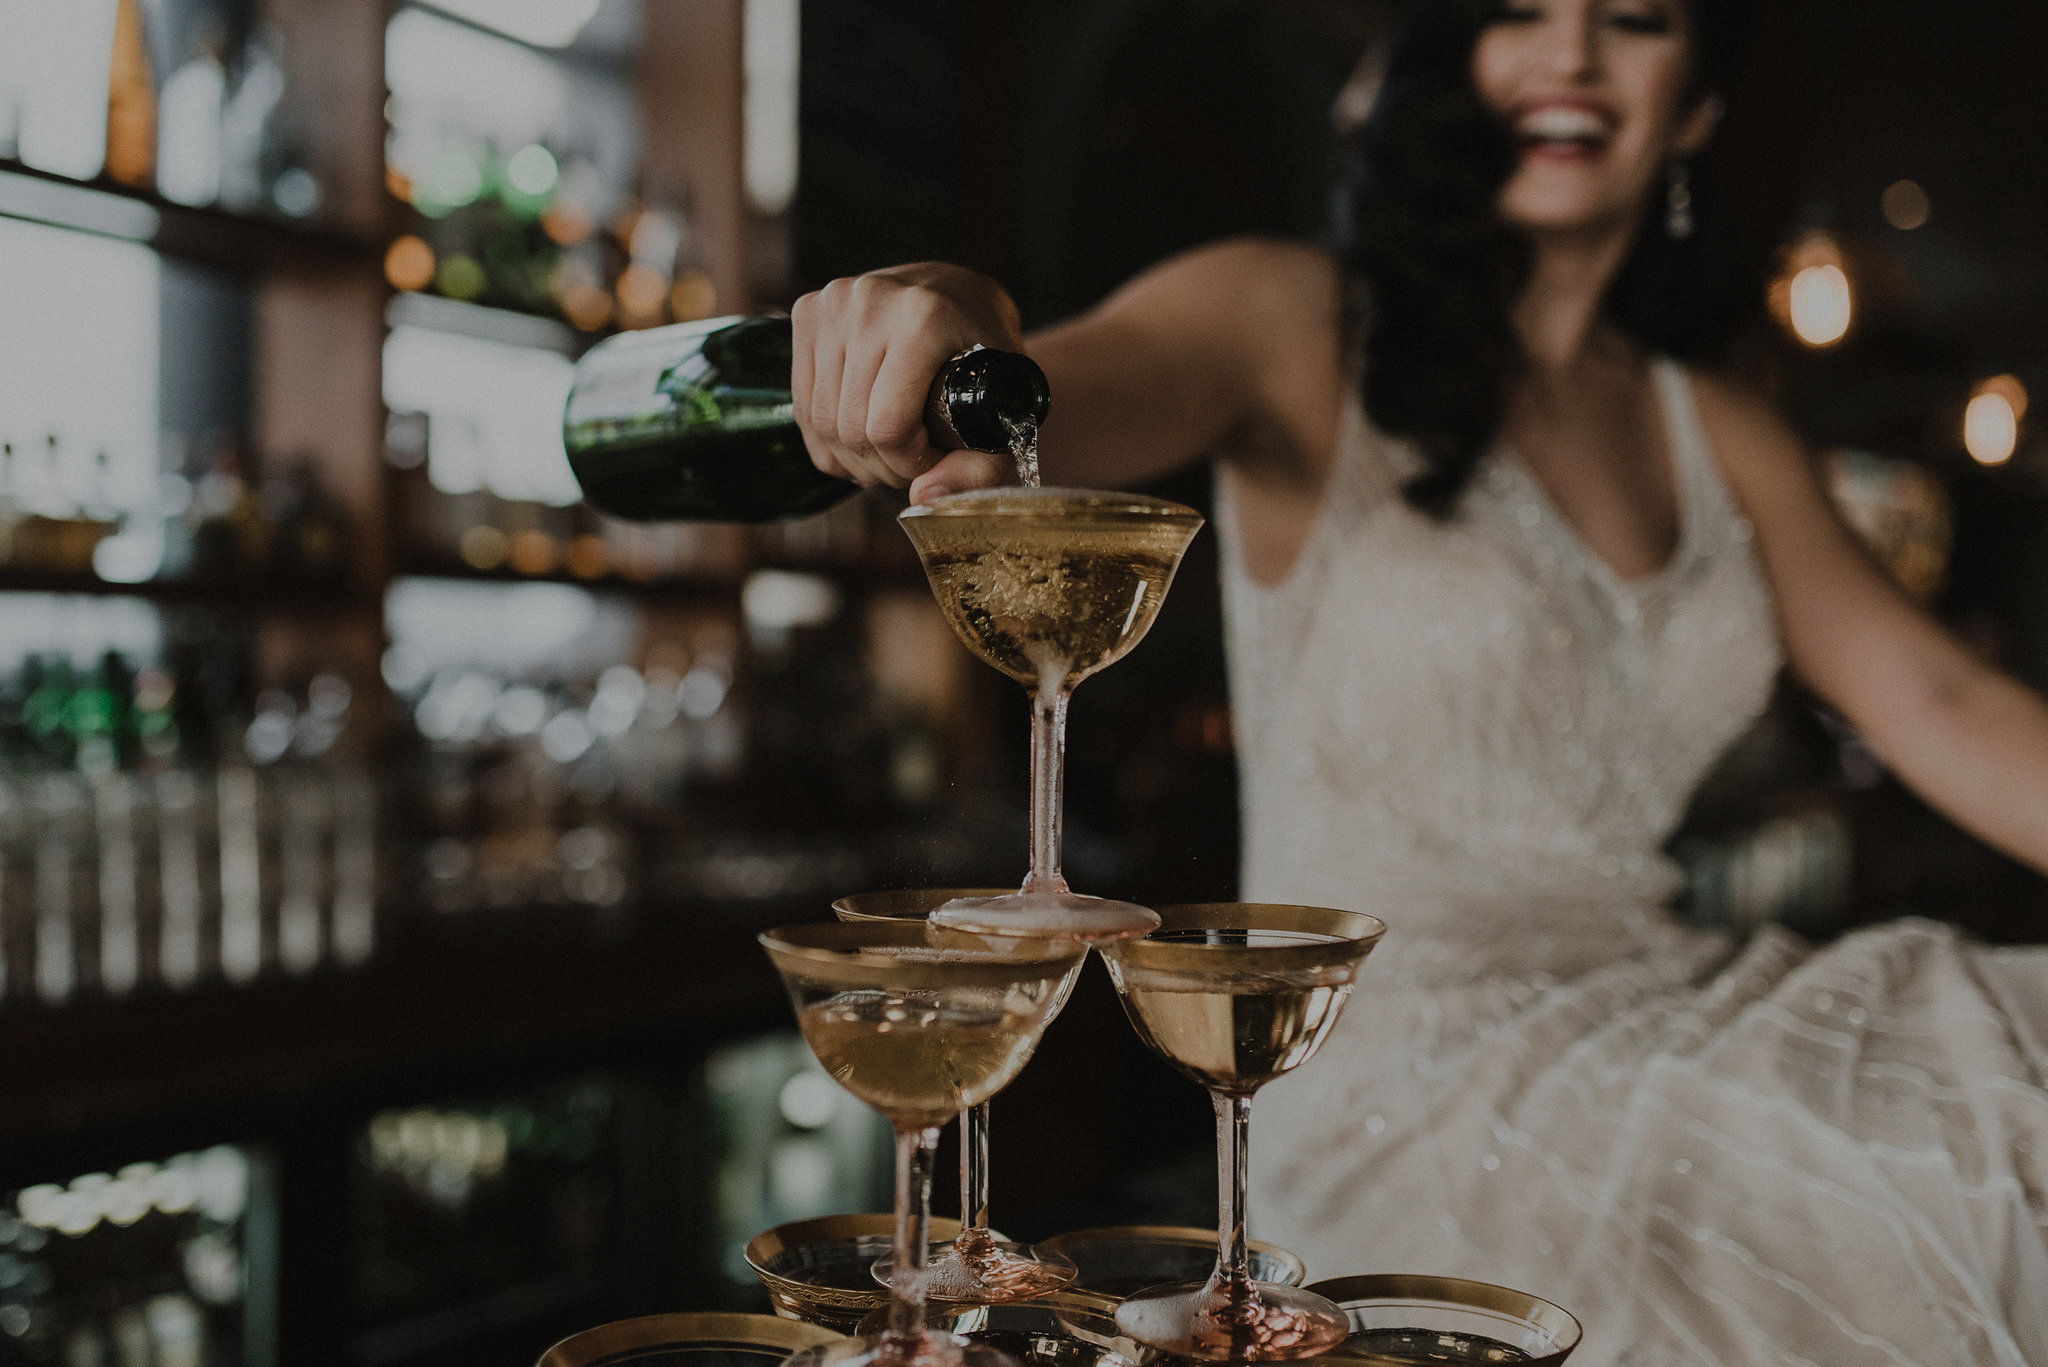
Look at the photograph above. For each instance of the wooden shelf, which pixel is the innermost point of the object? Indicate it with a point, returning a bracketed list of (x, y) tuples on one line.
[(708, 591), (440, 1010), (720, 591), (209, 236), (251, 592)]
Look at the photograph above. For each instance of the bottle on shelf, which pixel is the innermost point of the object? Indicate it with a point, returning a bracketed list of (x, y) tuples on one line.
[(188, 161), (129, 859), (309, 532), (247, 126), (694, 421), (131, 101), (229, 534), (45, 523)]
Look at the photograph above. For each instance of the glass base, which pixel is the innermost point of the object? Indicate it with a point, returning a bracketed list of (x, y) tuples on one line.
[(978, 1270), (1054, 915), (928, 1349), (1218, 1321)]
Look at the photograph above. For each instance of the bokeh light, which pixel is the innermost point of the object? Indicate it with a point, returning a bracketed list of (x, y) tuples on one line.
[(454, 178), (409, 264), (589, 307), (642, 292), (1821, 305), (1812, 297), (588, 557), (533, 552), (1905, 205), (693, 296), (532, 171), (484, 548), (1991, 421), (460, 277), (567, 222)]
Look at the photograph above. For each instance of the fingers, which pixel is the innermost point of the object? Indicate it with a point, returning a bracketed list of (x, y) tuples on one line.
[(865, 351), (961, 471), (894, 410), (873, 436)]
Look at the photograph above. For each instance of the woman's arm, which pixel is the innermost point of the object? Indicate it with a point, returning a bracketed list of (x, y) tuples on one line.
[(1158, 374), (1971, 740)]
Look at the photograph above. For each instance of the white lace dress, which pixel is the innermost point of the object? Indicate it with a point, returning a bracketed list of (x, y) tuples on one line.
[(1712, 1150)]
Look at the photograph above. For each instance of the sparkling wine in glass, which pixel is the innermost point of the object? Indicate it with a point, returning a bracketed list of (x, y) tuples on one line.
[(975, 1267), (1049, 585), (919, 1032), (1234, 994)]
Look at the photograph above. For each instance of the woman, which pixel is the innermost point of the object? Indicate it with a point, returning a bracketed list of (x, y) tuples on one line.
[(1488, 629)]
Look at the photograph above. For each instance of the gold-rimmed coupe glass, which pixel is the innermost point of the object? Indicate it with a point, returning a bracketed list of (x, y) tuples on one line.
[(1049, 586), (821, 1270), (919, 1032), (1234, 994), (976, 1267), (688, 1340), (1398, 1319)]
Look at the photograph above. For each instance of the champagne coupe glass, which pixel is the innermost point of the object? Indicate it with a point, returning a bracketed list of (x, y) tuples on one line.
[(919, 1032), (1049, 586), (1397, 1318), (975, 1267), (1234, 994)]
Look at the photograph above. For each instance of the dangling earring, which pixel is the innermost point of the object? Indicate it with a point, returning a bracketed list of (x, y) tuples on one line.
[(1678, 202)]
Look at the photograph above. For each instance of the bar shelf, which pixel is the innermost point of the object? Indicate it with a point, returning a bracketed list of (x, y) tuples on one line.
[(207, 236)]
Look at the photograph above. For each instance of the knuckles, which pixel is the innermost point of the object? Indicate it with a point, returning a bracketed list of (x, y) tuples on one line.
[(888, 431)]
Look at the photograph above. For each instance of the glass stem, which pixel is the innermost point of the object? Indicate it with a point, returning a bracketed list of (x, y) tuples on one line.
[(1048, 778), (1233, 1148), (974, 1168), (915, 1148)]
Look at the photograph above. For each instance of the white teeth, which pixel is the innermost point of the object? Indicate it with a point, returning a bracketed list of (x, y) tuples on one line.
[(1562, 123)]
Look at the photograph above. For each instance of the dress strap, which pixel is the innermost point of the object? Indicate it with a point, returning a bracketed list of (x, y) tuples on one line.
[(1707, 509)]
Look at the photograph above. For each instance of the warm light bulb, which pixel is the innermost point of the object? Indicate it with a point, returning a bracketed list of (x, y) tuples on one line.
[(1820, 304), (1991, 427)]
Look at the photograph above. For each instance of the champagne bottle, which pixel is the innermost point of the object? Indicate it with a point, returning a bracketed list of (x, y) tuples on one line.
[(694, 422)]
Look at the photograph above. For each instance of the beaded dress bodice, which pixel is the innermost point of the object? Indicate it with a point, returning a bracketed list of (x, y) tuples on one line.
[(1444, 720)]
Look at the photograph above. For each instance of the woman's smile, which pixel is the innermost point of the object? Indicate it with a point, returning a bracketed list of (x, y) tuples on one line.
[(1569, 130)]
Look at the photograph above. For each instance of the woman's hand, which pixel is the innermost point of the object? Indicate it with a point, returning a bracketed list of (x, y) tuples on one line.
[(867, 348)]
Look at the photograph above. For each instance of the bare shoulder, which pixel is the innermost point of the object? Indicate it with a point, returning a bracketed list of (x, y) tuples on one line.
[(1767, 466)]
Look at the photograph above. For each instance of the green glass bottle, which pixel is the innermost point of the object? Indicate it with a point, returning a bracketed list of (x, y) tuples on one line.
[(694, 422)]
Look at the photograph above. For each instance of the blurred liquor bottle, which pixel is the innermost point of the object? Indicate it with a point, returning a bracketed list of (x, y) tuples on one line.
[(131, 102), (230, 535), (188, 160), (52, 516)]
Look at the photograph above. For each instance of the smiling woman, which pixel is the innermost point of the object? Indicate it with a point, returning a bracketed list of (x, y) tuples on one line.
[(1480, 122)]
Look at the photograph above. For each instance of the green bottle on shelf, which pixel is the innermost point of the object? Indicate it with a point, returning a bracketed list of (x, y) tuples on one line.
[(694, 423)]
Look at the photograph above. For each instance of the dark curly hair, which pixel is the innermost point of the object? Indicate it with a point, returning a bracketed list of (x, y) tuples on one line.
[(1437, 270)]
